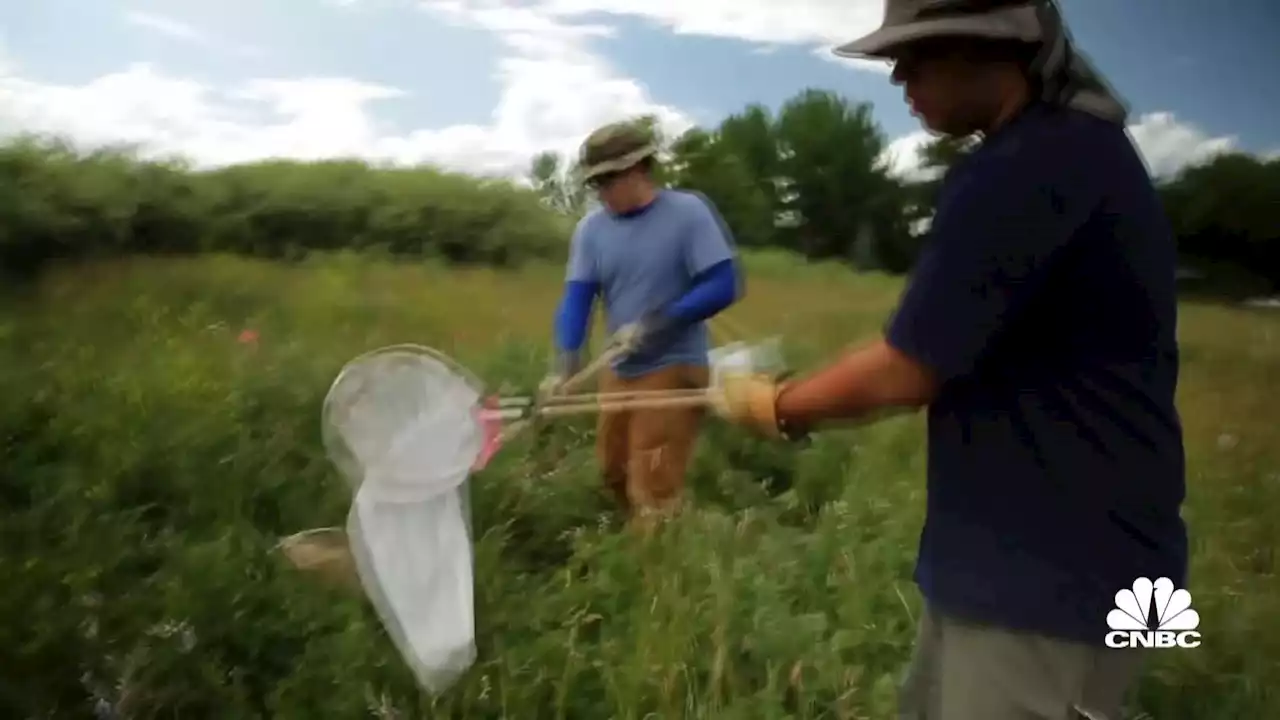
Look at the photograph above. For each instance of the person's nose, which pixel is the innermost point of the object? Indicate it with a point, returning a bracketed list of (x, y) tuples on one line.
[(898, 76)]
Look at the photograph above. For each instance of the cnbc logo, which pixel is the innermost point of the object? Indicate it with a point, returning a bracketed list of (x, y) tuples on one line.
[(1153, 615)]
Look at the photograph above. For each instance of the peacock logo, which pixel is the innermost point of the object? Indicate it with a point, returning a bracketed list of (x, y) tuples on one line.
[(1153, 614)]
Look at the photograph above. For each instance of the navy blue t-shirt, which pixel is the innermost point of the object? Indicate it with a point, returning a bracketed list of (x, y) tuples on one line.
[(1045, 301)]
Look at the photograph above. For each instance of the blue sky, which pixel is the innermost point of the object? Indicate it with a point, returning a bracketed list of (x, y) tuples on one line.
[(478, 83)]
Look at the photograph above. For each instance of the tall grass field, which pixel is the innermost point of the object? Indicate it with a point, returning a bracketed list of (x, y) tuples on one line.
[(153, 456)]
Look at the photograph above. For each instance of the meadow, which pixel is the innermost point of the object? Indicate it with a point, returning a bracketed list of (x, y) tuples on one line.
[(152, 460)]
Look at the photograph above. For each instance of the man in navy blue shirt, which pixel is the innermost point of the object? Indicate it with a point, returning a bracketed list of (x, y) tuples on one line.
[(1039, 328)]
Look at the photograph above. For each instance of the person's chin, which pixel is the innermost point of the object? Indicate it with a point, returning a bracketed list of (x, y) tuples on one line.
[(928, 123), (938, 126), (924, 119)]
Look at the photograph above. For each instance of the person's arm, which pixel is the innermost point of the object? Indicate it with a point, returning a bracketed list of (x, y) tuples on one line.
[(867, 381), (574, 314), (992, 241), (713, 290), (582, 284), (709, 258)]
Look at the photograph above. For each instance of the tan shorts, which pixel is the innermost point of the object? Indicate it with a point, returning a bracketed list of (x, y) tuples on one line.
[(962, 671), (644, 454)]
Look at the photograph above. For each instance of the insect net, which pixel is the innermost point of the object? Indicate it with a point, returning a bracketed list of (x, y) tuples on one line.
[(401, 425)]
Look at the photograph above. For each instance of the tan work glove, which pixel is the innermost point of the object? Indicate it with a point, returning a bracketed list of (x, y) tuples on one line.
[(750, 400)]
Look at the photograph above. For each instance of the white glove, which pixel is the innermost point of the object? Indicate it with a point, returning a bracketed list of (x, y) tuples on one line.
[(649, 333), (629, 337), (551, 385), (567, 364)]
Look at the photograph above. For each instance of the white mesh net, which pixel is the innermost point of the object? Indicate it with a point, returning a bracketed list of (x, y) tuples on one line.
[(400, 424), (401, 420)]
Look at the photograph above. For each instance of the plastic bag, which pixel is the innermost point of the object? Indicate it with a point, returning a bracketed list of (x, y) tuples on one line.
[(400, 423), (740, 357)]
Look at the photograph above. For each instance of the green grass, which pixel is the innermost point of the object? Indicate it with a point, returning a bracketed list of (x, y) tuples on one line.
[(151, 462)]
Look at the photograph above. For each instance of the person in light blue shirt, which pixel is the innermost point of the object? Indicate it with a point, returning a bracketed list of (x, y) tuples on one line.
[(663, 262)]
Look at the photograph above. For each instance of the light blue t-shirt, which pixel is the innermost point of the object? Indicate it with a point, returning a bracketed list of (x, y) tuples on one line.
[(644, 260)]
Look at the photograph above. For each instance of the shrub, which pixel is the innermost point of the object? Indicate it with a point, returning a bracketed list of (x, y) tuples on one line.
[(58, 204)]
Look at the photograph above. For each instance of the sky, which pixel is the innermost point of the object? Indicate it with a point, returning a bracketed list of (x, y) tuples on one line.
[(483, 85)]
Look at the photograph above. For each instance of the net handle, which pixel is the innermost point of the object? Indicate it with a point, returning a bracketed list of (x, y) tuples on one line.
[(587, 404), (719, 325), (591, 370), (617, 396)]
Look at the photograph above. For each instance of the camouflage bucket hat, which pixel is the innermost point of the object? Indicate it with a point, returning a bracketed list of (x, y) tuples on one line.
[(907, 21), (615, 147)]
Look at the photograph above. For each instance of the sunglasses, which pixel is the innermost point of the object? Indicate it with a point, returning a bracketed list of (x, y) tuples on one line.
[(603, 180), (913, 53), (907, 58)]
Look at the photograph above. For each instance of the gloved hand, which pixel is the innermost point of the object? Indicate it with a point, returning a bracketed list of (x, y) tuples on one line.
[(748, 399), (647, 334), (550, 384), (751, 400), (566, 365)]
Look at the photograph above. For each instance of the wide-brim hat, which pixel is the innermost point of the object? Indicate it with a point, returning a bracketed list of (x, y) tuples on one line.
[(619, 163), (907, 21), (1067, 77), (614, 148)]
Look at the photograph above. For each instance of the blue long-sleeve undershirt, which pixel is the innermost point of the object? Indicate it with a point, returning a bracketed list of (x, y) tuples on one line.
[(574, 314), (713, 290)]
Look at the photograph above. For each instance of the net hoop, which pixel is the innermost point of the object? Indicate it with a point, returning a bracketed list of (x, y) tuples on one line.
[(358, 378)]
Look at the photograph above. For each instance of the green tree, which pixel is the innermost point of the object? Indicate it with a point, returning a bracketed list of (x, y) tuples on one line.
[(751, 137), (1227, 211), (701, 161), (554, 182), (833, 188)]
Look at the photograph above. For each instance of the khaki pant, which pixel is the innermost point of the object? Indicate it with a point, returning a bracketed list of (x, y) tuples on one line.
[(962, 671), (645, 453)]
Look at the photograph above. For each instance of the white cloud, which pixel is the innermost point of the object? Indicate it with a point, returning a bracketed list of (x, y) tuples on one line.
[(179, 30), (555, 88), (820, 23), (306, 118), (799, 22), (164, 26), (554, 91), (810, 21), (902, 157), (1166, 143)]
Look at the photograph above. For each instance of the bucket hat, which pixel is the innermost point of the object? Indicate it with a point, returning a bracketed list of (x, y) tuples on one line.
[(614, 148), (907, 21), (1066, 76)]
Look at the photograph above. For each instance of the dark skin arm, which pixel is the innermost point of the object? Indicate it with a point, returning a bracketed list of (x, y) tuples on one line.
[(871, 379)]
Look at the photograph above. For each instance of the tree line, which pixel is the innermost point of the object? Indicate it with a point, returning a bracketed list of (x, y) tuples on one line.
[(58, 204), (810, 178)]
